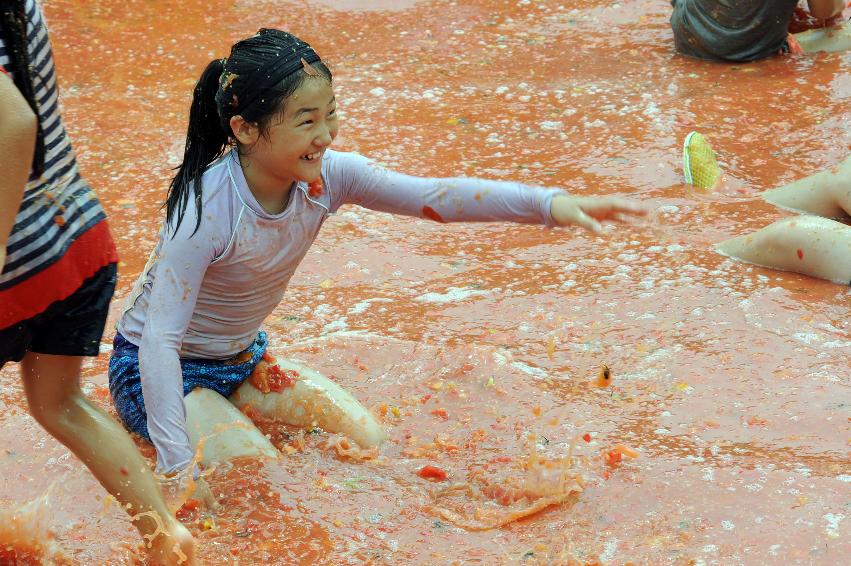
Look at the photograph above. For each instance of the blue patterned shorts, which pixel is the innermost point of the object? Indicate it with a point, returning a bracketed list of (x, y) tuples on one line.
[(222, 376)]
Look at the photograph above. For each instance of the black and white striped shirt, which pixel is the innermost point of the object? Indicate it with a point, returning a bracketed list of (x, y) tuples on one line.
[(57, 207)]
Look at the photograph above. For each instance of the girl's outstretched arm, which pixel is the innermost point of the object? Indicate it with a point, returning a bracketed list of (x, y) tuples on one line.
[(825, 9), (354, 179)]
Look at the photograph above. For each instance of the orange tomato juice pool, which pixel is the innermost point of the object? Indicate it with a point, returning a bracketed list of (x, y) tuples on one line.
[(479, 343)]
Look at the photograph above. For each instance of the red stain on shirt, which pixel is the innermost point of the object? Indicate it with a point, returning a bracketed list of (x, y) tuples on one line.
[(800, 253), (315, 189), (432, 214)]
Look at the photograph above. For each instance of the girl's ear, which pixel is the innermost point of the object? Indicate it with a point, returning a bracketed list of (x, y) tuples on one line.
[(245, 133)]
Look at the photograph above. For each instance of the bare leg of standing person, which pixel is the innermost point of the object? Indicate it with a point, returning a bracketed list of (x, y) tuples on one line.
[(52, 387)]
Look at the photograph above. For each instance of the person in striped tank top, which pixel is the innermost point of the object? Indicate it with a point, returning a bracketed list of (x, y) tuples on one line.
[(58, 274)]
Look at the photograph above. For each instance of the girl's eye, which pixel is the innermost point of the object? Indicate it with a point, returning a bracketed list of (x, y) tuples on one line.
[(306, 122), (333, 112)]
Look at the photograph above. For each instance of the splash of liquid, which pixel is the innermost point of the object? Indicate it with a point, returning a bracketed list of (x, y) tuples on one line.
[(160, 530), (25, 538), (527, 486)]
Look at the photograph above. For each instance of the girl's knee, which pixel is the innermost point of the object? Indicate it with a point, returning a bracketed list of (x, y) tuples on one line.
[(221, 431)]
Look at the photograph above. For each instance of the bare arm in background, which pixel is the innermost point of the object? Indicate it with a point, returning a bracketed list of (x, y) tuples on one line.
[(18, 127), (836, 38), (825, 9)]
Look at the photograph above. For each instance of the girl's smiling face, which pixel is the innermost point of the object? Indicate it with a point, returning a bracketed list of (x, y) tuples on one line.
[(291, 149)]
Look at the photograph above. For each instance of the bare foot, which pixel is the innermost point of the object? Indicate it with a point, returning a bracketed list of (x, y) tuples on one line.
[(171, 547)]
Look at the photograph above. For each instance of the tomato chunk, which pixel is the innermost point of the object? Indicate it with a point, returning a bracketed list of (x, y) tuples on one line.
[(432, 473)]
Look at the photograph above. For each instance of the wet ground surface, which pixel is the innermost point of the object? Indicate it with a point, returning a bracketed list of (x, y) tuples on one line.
[(732, 381)]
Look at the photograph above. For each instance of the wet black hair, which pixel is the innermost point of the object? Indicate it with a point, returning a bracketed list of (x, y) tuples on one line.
[(253, 82), (13, 30)]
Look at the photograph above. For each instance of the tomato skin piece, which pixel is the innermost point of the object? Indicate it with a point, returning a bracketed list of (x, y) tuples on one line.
[(626, 451), (315, 189), (440, 413), (613, 458), (271, 377), (188, 509), (280, 379), (430, 472), (432, 214)]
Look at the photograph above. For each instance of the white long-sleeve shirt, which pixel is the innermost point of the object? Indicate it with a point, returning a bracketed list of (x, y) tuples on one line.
[(206, 295)]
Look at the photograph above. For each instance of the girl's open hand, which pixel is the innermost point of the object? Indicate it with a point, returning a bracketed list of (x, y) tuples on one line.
[(204, 494), (177, 488), (589, 212)]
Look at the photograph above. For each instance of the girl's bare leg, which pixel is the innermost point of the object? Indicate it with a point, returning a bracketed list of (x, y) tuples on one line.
[(221, 431), (826, 193), (52, 387), (313, 400), (811, 245)]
